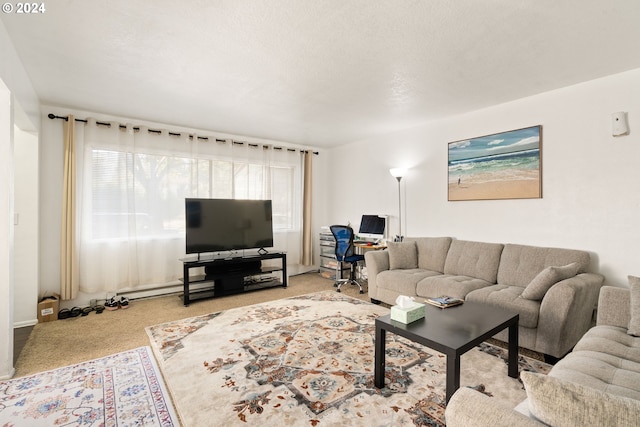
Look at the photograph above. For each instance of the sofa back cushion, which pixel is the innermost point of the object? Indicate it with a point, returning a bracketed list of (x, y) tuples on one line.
[(473, 259), (520, 264), (432, 252)]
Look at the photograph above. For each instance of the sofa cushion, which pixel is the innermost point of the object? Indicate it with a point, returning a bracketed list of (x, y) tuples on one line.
[(432, 251), (402, 281), (402, 255), (538, 287), (563, 403), (611, 340), (520, 264), (508, 297), (634, 322), (473, 259), (600, 371), (453, 286)]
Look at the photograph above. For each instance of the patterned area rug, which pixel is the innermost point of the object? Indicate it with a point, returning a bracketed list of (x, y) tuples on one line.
[(124, 389), (308, 361)]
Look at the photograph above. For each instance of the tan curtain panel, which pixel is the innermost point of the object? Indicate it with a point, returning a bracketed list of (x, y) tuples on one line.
[(307, 242), (68, 256)]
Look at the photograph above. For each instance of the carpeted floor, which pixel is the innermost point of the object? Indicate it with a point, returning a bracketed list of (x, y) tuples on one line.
[(308, 360), (65, 342)]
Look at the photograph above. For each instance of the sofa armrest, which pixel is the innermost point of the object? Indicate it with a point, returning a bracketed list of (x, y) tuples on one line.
[(376, 261), (566, 313), (614, 307), (470, 408)]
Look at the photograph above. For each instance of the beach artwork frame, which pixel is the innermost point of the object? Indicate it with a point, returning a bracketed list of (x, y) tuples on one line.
[(506, 165)]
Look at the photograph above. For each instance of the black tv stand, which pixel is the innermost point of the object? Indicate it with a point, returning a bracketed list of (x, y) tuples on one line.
[(232, 275)]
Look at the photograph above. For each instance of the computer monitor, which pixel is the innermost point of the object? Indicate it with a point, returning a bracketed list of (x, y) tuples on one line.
[(372, 227)]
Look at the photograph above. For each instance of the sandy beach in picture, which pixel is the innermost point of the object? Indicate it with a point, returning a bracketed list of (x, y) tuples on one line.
[(523, 189)]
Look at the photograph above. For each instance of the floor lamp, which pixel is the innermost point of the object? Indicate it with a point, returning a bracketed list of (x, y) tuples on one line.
[(398, 173)]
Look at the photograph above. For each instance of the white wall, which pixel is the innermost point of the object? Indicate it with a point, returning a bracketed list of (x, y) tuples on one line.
[(50, 204), (6, 233), (26, 228), (26, 113), (591, 180)]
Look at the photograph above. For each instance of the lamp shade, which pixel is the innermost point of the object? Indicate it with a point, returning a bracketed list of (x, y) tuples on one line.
[(397, 172)]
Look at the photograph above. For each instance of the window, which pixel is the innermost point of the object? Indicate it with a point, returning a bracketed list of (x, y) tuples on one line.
[(143, 194), (132, 184)]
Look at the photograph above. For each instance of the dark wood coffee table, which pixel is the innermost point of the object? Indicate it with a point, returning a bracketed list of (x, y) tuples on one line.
[(452, 331)]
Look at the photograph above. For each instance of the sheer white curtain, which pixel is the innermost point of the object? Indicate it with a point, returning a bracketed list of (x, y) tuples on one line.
[(133, 184)]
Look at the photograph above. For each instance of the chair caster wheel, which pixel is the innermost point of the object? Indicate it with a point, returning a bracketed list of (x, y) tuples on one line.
[(337, 290), (362, 292)]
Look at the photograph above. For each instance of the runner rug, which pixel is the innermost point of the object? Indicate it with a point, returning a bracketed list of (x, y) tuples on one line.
[(308, 361), (124, 389)]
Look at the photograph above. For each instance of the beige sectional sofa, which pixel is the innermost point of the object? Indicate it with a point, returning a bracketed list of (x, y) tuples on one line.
[(597, 384), (549, 287)]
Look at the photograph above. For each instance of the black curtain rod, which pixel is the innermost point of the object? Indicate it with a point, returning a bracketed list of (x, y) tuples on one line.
[(204, 138)]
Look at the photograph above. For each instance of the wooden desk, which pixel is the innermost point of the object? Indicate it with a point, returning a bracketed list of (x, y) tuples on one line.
[(365, 246)]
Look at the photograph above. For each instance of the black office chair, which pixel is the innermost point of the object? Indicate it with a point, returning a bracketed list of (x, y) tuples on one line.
[(343, 235)]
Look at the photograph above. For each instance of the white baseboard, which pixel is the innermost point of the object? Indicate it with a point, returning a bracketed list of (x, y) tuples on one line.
[(9, 375), (25, 323)]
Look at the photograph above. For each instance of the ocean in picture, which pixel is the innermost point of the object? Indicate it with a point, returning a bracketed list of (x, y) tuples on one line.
[(495, 161), (498, 167)]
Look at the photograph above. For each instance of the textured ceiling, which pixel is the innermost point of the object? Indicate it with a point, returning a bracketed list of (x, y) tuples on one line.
[(319, 73)]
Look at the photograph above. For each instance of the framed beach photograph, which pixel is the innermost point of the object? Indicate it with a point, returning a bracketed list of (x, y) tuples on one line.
[(504, 165)]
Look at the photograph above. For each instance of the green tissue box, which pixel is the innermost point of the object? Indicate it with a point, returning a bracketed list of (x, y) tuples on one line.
[(409, 314)]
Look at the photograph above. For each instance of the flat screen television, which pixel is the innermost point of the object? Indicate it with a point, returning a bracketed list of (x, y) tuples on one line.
[(215, 225), (372, 227)]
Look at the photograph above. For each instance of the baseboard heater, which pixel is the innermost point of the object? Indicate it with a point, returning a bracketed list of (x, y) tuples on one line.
[(159, 291), (175, 289)]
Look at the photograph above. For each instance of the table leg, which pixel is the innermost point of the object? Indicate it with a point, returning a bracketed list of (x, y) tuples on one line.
[(185, 286), (284, 270), (380, 345), (453, 374), (513, 350)]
